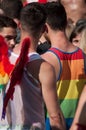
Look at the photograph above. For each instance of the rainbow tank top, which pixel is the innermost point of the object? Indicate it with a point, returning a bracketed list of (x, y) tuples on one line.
[(71, 81)]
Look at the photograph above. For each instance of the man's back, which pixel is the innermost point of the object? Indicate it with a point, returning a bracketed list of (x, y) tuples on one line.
[(67, 60), (36, 78), (28, 92)]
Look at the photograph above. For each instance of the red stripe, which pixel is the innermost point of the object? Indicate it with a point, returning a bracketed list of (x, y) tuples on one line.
[(68, 56)]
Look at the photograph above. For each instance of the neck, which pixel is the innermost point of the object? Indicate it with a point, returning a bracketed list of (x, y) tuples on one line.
[(58, 39), (32, 45)]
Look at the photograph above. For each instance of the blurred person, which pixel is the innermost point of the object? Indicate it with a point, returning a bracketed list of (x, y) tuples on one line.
[(35, 77), (7, 42), (83, 41), (12, 8), (43, 45), (69, 28), (8, 30), (79, 122), (64, 57), (77, 32), (75, 9)]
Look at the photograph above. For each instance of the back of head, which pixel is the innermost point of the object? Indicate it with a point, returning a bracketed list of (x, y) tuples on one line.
[(6, 22), (33, 18), (12, 8), (56, 15)]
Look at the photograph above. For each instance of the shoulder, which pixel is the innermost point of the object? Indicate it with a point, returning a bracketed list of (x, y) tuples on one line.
[(46, 67), (47, 71)]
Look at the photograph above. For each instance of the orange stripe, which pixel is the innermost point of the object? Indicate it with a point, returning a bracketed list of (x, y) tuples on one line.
[(73, 70)]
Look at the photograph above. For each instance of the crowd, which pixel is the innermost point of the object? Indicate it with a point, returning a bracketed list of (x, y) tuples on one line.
[(42, 65)]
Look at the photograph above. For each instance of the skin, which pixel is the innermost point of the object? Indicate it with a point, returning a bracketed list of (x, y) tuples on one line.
[(54, 37), (80, 116), (76, 40), (9, 34), (75, 9), (45, 74)]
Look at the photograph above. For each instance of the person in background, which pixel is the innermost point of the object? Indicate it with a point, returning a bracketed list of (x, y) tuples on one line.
[(43, 45), (79, 122), (7, 42), (83, 40), (12, 9), (8, 30), (69, 28), (35, 77), (75, 9), (77, 32), (64, 57)]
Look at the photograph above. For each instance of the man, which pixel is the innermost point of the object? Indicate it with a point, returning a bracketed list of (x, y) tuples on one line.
[(37, 78), (8, 30), (67, 60), (12, 9)]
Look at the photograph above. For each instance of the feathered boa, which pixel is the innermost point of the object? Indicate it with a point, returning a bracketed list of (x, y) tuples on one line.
[(17, 72), (5, 66)]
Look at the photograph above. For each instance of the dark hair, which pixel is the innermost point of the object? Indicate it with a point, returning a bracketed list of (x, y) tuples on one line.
[(33, 18), (56, 15), (79, 27), (6, 22), (81, 22), (12, 8)]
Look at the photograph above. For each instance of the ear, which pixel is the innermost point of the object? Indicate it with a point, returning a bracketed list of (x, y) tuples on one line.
[(45, 28)]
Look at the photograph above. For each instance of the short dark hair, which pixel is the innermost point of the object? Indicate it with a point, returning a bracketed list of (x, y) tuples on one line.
[(33, 18), (12, 8), (56, 15), (7, 22)]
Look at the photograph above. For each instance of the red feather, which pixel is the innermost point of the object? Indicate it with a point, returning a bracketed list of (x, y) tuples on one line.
[(17, 72), (4, 56), (3, 47)]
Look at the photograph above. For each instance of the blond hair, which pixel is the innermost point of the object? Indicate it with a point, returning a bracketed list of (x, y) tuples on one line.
[(83, 40)]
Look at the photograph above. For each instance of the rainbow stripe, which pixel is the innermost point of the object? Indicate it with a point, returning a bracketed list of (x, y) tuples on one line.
[(71, 82)]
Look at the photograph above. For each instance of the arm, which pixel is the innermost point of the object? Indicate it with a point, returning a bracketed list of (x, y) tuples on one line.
[(48, 81), (80, 116)]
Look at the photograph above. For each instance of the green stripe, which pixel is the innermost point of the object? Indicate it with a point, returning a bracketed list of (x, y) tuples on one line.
[(1, 86), (68, 107)]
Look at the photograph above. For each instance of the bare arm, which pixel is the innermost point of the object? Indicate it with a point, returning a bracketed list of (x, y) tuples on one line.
[(53, 60), (48, 82), (80, 116)]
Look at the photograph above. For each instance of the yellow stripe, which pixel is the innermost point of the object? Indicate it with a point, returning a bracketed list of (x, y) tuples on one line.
[(4, 79), (70, 89)]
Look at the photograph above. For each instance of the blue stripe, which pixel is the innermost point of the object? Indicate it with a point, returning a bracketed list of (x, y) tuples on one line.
[(68, 123), (59, 63)]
